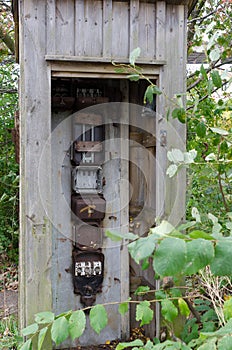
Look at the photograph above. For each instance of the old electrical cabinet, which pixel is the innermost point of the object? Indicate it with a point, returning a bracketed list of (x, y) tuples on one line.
[(93, 156)]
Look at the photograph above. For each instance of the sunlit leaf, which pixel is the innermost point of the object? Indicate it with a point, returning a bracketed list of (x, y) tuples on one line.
[(44, 317), (77, 323), (144, 313), (172, 170), (122, 346), (32, 329), (168, 310), (59, 330), (118, 236), (134, 55), (123, 308), (214, 54), (183, 306), (98, 318), (217, 81), (41, 337), (227, 309)]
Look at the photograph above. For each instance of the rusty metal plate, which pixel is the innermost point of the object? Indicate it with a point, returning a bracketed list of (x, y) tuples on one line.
[(88, 234)]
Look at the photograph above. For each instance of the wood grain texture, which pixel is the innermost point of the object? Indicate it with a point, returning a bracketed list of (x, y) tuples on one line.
[(35, 227)]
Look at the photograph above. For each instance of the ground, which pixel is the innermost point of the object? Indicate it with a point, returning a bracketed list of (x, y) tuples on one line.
[(8, 290)]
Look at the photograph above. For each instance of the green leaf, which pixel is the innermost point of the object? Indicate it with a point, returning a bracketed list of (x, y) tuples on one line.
[(148, 96), (186, 225), (27, 345), (160, 294), (98, 318), (210, 344), (41, 337), (200, 253), (224, 147), (117, 236), (123, 308), (227, 309), (225, 330), (122, 346), (44, 317), (203, 73), (170, 257), (209, 87), (150, 92), (77, 323), (221, 265), (156, 90), (183, 306), (225, 343), (144, 312), (32, 329), (201, 129), (142, 289), (134, 55), (59, 330), (200, 234), (217, 81), (180, 114), (146, 262), (120, 70), (133, 77), (142, 248), (168, 310)]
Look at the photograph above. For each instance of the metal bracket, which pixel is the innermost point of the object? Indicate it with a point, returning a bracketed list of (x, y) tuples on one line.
[(163, 138)]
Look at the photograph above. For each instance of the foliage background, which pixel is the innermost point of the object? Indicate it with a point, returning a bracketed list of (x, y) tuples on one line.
[(8, 107)]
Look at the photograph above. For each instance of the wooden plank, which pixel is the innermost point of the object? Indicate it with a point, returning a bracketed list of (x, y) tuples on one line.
[(79, 28), (35, 226), (160, 30), (88, 26), (69, 58), (176, 56), (74, 68), (112, 193), (88, 118), (134, 24), (120, 29), (93, 28), (65, 27), (107, 28), (88, 146), (147, 30), (142, 198), (51, 27), (124, 200)]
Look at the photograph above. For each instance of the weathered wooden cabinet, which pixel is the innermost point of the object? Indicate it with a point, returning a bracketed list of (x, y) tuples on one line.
[(66, 48)]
